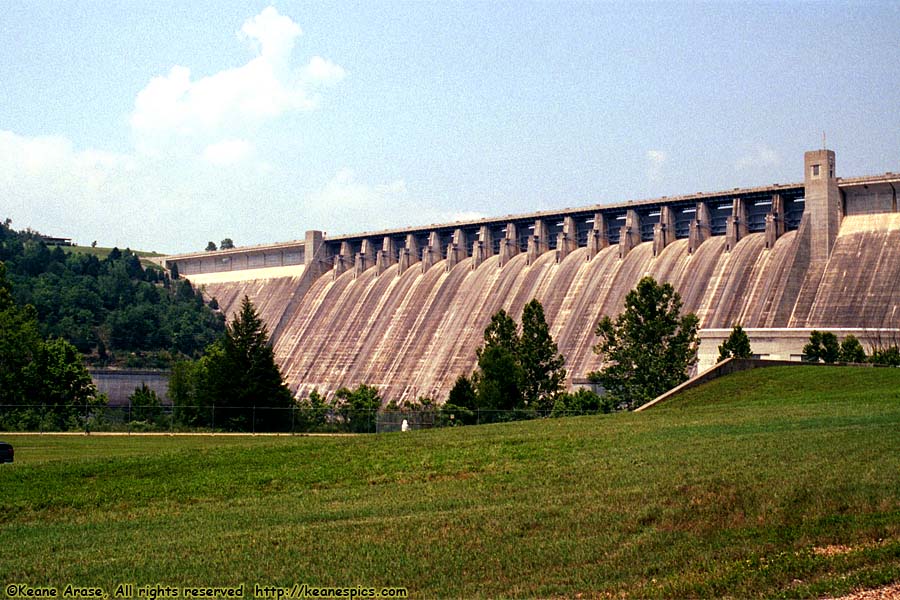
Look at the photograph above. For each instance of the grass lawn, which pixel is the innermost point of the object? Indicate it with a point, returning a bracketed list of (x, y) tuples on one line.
[(768, 483)]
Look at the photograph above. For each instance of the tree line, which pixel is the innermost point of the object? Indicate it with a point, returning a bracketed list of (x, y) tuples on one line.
[(43, 382), (113, 310)]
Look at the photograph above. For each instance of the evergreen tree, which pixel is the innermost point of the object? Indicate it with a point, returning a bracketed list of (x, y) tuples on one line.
[(852, 351), (461, 402), (226, 244), (498, 379), (174, 271), (514, 371), (242, 379), (501, 332), (462, 394), (211, 246), (649, 347), (736, 346), (543, 373)]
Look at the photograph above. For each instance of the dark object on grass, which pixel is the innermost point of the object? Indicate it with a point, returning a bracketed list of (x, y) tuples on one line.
[(6, 452)]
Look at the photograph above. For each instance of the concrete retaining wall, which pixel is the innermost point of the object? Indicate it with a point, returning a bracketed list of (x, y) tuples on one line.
[(119, 384)]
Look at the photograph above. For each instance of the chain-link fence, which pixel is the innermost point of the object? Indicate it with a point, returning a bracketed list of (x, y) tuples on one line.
[(171, 418)]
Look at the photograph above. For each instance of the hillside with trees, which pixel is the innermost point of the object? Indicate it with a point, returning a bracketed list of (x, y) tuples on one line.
[(113, 310)]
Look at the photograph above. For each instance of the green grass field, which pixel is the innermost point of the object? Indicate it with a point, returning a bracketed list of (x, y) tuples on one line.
[(780, 482)]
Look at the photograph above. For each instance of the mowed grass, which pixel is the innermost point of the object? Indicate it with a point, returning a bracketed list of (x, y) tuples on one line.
[(768, 483)]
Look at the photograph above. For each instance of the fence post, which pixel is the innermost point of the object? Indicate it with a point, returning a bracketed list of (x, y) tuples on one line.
[(253, 426), (213, 417)]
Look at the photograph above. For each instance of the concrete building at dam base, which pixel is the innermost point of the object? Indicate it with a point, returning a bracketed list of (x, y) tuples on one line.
[(405, 309)]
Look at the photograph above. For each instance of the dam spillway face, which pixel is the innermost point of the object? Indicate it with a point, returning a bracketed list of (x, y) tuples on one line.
[(405, 310)]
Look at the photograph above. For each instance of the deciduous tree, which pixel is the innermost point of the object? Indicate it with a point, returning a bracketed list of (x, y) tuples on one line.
[(823, 346), (852, 351), (42, 383), (648, 348), (358, 408)]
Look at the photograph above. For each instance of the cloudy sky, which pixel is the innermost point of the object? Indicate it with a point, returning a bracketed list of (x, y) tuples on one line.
[(163, 125)]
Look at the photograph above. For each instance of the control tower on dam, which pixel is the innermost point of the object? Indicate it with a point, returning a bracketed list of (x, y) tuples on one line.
[(405, 309)]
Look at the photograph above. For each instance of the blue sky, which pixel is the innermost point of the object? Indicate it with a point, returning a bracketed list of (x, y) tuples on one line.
[(163, 125)]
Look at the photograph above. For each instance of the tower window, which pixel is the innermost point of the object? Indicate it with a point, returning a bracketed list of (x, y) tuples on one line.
[(815, 170)]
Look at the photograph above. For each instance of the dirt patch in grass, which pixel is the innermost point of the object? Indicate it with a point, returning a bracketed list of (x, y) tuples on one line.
[(888, 592)]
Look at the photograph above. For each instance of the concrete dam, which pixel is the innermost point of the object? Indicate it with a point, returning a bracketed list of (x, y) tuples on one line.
[(404, 309)]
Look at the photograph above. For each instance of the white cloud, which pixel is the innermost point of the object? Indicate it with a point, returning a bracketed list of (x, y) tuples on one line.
[(53, 160), (761, 156), (656, 159), (466, 215), (47, 184), (162, 195), (175, 106), (227, 152), (272, 35), (344, 192), (346, 204), (323, 71)]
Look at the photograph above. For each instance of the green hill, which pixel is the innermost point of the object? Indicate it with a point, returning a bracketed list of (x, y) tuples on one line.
[(107, 302), (102, 253), (780, 482)]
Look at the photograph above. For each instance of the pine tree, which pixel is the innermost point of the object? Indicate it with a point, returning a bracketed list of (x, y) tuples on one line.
[(543, 373), (736, 346), (649, 347), (244, 380), (498, 378), (462, 402)]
